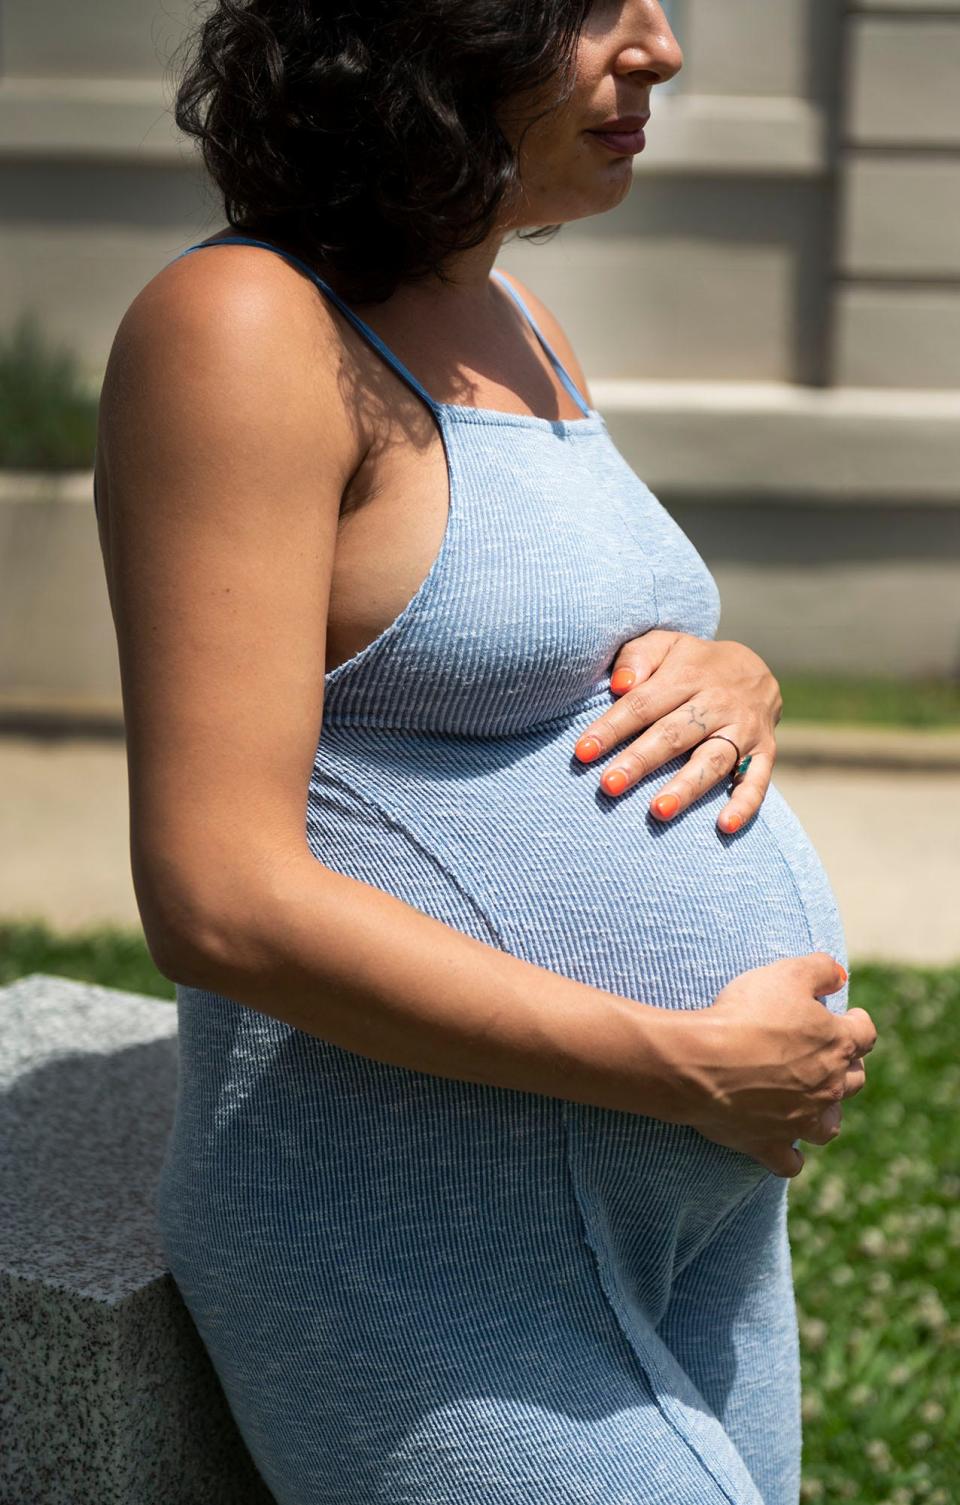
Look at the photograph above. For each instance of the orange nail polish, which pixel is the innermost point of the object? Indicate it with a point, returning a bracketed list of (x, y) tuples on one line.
[(614, 782), (843, 974), (667, 805), (623, 679), (732, 823), (587, 749)]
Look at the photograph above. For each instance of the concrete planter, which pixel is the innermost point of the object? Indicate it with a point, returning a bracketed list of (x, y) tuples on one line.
[(830, 518), (58, 654)]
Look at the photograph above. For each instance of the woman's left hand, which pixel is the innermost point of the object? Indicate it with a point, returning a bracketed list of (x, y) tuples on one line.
[(684, 689)]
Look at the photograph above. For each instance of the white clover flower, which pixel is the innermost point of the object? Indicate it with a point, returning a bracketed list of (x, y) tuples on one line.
[(811, 1406), (814, 1331), (811, 1489), (873, 1241), (875, 1448), (930, 1311), (833, 1194)]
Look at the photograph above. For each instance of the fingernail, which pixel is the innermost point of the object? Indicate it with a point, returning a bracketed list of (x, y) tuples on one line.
[(614, 782), (587, 749), (623, 679), (667, 805), (843, 973), (732, 823)]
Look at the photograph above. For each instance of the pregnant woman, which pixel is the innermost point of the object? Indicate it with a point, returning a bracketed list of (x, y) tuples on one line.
[(500, 1019)]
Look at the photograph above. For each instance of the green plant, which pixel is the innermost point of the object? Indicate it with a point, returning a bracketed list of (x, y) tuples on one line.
[(48, 418)]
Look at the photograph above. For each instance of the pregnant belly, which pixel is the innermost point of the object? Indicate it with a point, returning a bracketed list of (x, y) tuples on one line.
[(557, 872), (510, 840)]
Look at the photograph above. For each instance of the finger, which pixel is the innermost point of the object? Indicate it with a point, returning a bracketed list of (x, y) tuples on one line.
[(648, 706), (824, 1126), (855, 1080), (640, 658), (709, 764), (823, 974), (748, 795), (782, 1160), (863, 1030), (669, 738)]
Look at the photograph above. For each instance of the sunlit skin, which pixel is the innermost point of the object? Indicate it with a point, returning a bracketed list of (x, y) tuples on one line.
[(624, 50)]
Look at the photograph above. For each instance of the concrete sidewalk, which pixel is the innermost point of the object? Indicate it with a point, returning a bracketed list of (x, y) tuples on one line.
[(888, 833)]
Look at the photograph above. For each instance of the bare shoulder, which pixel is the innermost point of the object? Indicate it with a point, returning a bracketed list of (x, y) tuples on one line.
[(242, 281), (238, 325), (553, 330)]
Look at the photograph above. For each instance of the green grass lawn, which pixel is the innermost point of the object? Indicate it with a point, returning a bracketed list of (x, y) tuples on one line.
[(929, 704), (874, 1221), (875, 1231)]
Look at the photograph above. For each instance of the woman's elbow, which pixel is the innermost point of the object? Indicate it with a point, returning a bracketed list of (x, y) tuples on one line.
[(207, 925)]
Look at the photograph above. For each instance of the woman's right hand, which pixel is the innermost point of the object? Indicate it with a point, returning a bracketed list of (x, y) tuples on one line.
[(771, 1064)]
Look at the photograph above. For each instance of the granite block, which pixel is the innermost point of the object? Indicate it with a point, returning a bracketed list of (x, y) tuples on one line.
[(107, 1396)]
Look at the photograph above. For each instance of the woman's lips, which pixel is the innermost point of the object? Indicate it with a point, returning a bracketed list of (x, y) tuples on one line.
[(626, 143)]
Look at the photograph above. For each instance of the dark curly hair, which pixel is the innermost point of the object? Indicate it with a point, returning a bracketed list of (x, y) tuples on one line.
[(365, 132)]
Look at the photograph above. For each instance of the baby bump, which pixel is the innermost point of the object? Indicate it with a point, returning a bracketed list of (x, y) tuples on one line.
[(665, 913), (596, 890), (669, 915), (555, 871)]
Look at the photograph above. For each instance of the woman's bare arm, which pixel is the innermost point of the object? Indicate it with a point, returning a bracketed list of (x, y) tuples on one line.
[(226, 447)]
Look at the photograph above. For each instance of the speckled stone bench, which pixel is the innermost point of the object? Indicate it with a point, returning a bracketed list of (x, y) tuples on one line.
[(107, 1396)]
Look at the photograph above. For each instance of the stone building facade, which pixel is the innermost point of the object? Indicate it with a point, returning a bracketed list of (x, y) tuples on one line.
[(770, 322)]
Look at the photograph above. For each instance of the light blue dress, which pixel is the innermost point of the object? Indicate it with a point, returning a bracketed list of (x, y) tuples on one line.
[(420, 1291)]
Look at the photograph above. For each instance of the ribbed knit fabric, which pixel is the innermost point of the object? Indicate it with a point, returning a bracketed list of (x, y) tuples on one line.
[(419, 1291)]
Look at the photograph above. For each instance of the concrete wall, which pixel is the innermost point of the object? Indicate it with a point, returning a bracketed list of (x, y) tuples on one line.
[(771, 321)]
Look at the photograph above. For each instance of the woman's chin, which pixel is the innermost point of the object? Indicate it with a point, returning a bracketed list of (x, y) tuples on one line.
[(598, 193), (606, 192)]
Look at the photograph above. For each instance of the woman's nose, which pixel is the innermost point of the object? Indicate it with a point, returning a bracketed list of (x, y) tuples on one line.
[(651, 46)]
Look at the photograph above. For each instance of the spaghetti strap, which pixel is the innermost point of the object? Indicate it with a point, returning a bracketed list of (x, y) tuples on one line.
[(555, 360), (364, 329)]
